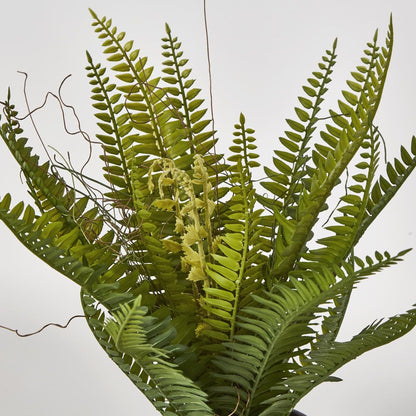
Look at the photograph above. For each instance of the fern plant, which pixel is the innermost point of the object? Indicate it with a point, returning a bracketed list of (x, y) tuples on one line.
[(213, 297)]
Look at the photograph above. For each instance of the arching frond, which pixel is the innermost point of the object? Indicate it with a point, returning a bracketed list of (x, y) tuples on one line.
[(292, 163), (114, 123), (184, 96), (137, 335), (323, 362), (236, 270), (45, 239), (384, 189), (357, 113), (48, 190), (279, 330)]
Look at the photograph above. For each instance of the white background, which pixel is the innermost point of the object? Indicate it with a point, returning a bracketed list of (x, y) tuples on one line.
[(262, 52)]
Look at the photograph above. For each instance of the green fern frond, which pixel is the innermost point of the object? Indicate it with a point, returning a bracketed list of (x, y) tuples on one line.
[(384, 189), (113, 121), (281, 326), (183, 96), (45, 239), (47, 189), (332, 322), (352, 210), (131, 69), (241, 252), (139, 377), (324, 362), (175, 392), (292, 162), (359, 107)]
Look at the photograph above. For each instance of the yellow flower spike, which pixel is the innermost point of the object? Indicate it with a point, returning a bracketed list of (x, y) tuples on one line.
[(166, 181), (191, 236), (202, 233), (211, 207), (199, 203), (172, 246), (185, 267), (215, 242), (164, 204), (179, 226), (191, 256), (196, 274), (209, 187), (201, 327), (185, 209)]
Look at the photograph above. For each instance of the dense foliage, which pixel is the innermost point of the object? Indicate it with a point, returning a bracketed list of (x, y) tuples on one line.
[(211, 296)]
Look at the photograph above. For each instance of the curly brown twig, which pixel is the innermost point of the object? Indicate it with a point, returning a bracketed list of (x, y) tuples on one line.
[(30, 113), (209, 67), (16, 331), (238, 403), (62, 106)]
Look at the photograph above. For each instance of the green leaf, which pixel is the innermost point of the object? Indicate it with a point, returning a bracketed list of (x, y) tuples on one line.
[(295, 125), (221, 280), (226, 262), (219, 293)]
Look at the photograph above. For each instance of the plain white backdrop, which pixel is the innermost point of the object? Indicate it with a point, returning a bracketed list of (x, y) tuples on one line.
[(261, 52)]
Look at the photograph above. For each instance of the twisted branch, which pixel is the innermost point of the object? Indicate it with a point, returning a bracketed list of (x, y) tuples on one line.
[(16, 331)]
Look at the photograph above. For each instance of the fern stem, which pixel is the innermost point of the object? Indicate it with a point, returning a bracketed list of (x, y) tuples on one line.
[(143, 90), (182, 91), (244, 256), (299, 163), (208, 227), (113, 122)]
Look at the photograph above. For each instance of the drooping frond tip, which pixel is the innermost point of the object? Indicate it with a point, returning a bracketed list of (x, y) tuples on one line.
[(93, 14), (89, 58), (391, 25)]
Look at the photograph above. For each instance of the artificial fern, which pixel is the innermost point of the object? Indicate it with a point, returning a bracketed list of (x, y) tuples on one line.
[(213, 298)]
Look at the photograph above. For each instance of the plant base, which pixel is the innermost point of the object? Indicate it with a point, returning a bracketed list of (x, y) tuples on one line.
[(296, 413)]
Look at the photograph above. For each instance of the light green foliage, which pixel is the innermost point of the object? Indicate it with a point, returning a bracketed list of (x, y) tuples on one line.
[(213, 298)]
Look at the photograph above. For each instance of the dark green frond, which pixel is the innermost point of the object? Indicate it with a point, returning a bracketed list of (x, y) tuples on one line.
[(184, 97), (292, 162), (384, 189), (172, 392), (323, 362), (344, 140), (115, 126), (235, 271), (48, 190), (47, 241), (279, 330), (352, 209)]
